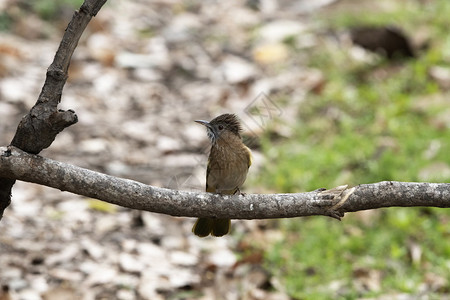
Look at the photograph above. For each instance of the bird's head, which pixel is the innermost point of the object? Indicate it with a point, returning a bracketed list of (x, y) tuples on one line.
[(222, 125)]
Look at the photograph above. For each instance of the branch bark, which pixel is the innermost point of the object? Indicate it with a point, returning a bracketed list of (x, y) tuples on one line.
[(16, 164), (38, 129)]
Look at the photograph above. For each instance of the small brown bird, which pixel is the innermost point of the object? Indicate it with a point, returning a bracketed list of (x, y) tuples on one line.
[(389, 41), (228, 163)]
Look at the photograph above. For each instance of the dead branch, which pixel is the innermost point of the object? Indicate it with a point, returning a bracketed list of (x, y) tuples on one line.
[(38, 129), (16, 164)]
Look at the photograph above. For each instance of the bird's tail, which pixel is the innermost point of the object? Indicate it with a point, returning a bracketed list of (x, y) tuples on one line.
[(220, 227), (216, 227)]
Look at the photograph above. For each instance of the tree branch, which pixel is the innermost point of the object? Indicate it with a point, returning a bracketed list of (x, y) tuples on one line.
[(37, 129), (16, 164)]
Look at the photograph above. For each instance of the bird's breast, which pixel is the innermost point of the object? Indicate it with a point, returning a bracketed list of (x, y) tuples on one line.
[(227, 169)]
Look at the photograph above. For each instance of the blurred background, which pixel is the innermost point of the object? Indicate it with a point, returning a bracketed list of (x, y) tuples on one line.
[(329, 92)]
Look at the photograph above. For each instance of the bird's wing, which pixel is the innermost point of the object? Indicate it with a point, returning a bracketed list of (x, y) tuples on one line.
[(209, 189), (249, 157)]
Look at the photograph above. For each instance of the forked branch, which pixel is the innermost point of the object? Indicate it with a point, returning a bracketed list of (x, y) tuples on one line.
[(38, 129)]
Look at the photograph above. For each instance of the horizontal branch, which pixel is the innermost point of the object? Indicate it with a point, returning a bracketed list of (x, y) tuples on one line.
[(16, 164)]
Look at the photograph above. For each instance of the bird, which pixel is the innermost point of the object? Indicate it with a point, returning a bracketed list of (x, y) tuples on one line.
[(228, 163), (389, 41)]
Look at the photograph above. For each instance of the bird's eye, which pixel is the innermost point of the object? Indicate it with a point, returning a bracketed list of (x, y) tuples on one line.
[(220, 127)]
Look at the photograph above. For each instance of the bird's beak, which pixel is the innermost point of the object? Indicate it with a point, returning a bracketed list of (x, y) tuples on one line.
[(206, 123), (212, 135)]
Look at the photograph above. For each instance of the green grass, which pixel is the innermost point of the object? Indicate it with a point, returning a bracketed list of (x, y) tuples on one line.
[(370, 122), (321, 258)]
